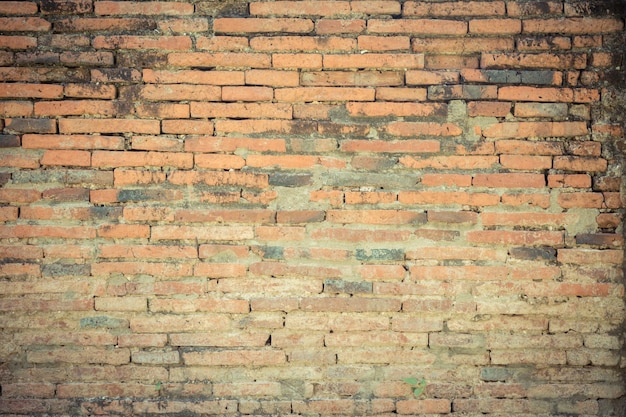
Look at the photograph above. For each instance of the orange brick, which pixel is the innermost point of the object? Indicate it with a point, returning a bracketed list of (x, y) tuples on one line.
[(18, 8), (223, 43), (24, 24), (299, 8), (449, 8), (219, 59), (19, 90), (297, 61), (525, 162), (495, 26), (487, 108), (384, 43), (298, 43), (109, 126), (418, 26), (193, 77), (461, 46), (66, 158), (506, 237), (509, 180), (140, 8), (573, 25), (377, 60), (336, 26), (308, 94), (542, 60), (400, 94), (183, 25), (231, 144), (585, 164), (535, 129), (404, 146), (423, 129), (260, 25), (272, 78), (189, 127), (242, 93), (142, 42)]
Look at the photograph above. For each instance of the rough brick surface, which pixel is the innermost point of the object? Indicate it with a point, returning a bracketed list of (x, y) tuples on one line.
[(303, 208)]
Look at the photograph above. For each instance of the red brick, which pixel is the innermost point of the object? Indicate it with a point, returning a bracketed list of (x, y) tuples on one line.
[(95, 91), (76, 108), (16, 108), (544, 43), (539, 94), (18, 90), (581, 200), (18, 42), (139, 159), (120, 231), (141, 8), (24, 24), (18, 7), (580, 163), (487, 108), (569, 180)]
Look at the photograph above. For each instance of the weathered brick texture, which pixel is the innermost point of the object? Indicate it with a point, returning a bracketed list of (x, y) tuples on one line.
[(303, 208)]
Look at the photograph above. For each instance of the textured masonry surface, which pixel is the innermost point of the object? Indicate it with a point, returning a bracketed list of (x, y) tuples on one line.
[(255, 208)]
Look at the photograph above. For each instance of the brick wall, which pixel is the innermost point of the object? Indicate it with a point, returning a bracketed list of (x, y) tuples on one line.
[(292, 207)]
